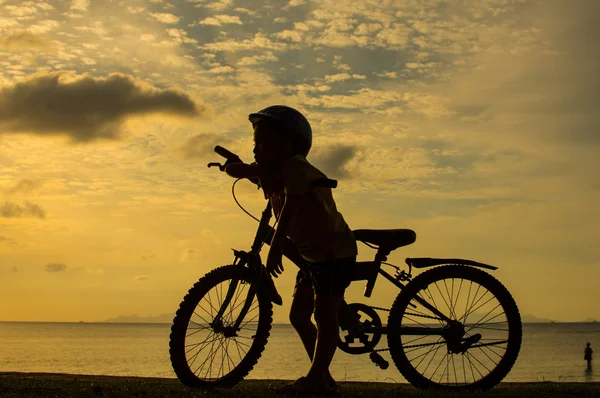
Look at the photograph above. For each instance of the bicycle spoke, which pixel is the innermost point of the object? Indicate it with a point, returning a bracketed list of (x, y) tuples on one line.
[(472, 310), (201, 366), (492, 318), (198, 315), (199, 350), (432, 299), (468, 356), (454, 367), (443, 298)]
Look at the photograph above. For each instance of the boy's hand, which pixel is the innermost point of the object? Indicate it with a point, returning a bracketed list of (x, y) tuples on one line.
[(274, 260)]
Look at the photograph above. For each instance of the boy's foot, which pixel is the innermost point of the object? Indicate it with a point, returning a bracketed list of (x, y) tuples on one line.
[(332, 384), (304, 386)]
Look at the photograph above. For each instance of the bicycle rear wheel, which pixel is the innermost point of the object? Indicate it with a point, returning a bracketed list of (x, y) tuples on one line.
[(204, 353), (475, 349)]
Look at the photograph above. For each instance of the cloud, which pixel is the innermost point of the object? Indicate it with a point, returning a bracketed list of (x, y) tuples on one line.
[(56, 267), (202, 145), (80, 5), (43, 27), (257, 59), (340, 77), (24, 186), (190, 255), (85, 108), (10, 210), (141, 278), (219, 20), (7, 241), (219, 5), (259, 41), (22, 10), (165, 18), (15, 269), (222, 69), (23, 40), (292, 35), (334, 160), (546, 85), (148, 256)]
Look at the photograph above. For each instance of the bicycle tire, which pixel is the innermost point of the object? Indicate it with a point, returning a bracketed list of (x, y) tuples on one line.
[(402, 314), (182, 321)]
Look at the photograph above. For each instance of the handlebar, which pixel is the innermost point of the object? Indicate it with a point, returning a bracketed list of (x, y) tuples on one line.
[(225, 153), (232, 157)]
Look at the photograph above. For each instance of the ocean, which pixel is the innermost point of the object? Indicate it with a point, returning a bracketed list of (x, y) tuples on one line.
[(549, 352)]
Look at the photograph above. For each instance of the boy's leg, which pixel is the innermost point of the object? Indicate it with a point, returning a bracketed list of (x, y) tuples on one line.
[(330, 283), (301, 312), (326, 315)]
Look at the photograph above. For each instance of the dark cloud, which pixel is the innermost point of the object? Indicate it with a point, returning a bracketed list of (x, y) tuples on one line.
[(148, 256), (10, 209), (85, 108), (15, 269), (24, 186), (141, 278), (202, 145), (333, 160), (56, 267)]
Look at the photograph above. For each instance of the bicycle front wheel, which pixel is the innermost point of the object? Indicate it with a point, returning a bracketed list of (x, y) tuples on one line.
[(206, 353), (454, 327)]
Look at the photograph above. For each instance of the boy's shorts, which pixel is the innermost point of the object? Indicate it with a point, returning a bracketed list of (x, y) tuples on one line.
[(327, 278)]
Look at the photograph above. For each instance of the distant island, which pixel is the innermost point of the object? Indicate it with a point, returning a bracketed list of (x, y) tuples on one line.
[(168, 318), (133, 318)]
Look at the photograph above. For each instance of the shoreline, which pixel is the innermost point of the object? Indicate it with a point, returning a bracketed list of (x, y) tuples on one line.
[(24, 384)]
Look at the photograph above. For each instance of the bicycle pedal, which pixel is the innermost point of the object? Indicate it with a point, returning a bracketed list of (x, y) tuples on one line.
[(378, 360)]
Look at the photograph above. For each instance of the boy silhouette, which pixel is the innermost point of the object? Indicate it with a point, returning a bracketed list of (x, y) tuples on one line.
[(309, 217)]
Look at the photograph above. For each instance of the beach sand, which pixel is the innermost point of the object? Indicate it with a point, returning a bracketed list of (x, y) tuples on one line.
[(15, 384)]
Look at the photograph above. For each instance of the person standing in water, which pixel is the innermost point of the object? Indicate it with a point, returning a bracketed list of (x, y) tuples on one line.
[(588, 356)]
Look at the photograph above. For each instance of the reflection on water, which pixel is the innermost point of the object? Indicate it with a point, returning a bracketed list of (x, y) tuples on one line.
[(550, 352)]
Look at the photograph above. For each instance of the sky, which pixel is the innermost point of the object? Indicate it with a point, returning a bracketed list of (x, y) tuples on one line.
[(472, 122)]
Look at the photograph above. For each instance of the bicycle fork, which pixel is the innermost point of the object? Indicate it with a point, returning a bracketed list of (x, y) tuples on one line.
[(241, 258)]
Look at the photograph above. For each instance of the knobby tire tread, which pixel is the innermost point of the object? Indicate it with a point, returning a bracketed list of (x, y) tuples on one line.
[(400, 304), (184, 313)]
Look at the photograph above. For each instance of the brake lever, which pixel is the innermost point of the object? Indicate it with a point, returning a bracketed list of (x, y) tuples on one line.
[(219, 165)]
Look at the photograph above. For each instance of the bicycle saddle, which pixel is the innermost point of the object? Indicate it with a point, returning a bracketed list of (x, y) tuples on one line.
[(389, 239)]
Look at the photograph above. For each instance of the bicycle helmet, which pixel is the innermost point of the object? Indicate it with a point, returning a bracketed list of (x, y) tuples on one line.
[(291, 120)]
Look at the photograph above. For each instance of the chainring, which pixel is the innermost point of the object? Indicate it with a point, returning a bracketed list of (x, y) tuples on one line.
[(350, 341)]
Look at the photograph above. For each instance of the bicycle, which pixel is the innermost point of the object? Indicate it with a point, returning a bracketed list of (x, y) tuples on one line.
[(223, 323)]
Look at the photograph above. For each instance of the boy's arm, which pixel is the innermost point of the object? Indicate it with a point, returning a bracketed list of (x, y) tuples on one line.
[(242, 170), (274, 263), (290, 207)]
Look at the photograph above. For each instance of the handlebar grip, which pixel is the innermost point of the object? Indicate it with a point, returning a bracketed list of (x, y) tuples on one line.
[(225, 153), (325, 182)]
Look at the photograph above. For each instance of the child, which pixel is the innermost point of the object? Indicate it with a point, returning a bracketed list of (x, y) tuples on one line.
[(309, 217)]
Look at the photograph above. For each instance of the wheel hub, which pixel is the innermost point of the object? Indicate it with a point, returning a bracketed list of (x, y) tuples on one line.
[(226, 331), (453, 335)]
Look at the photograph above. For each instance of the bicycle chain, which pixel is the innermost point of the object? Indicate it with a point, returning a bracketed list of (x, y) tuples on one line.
[(407, 346), (408, 313)]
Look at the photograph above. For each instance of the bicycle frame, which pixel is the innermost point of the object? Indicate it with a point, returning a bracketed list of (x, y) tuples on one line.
[(364, 270)]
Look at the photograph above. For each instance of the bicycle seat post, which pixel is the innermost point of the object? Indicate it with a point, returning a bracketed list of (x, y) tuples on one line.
[(380, 256)]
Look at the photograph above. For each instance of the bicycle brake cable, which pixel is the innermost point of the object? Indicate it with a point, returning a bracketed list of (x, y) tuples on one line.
[(240, 206), (238, 203)]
